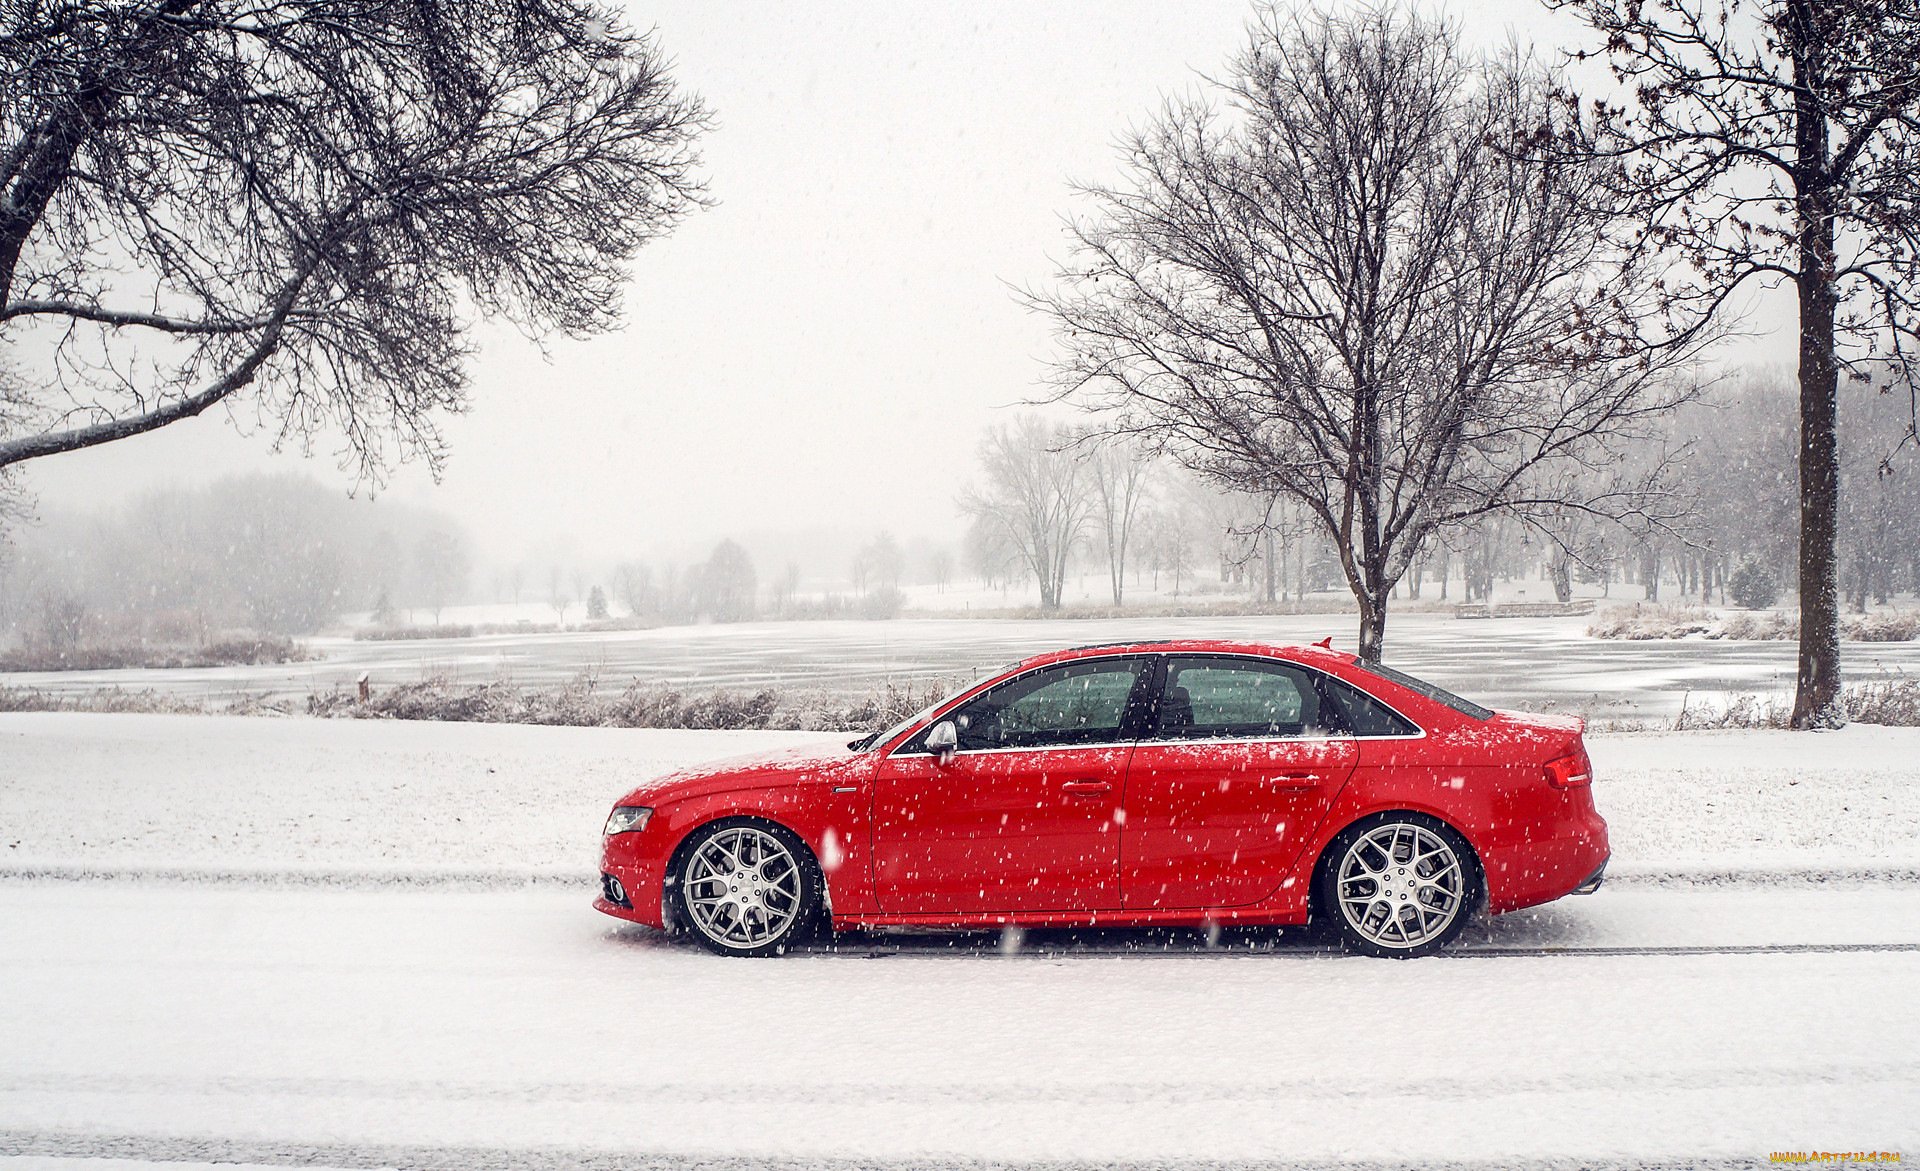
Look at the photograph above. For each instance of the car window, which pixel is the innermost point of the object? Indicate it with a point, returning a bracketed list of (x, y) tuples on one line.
[(1083, 702), (1465, 707), (1359, 714), (1211, 699)]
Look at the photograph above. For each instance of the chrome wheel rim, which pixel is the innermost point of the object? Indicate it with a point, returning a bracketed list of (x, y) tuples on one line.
[(1401, 885), (742, 887)]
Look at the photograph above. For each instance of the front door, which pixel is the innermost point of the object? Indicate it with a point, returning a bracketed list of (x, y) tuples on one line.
[(1231, 779), (1025, 815)]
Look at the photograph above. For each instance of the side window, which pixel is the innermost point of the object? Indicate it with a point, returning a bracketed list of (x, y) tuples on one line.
[(1217, 699), (1362, 715), (1083, 702)]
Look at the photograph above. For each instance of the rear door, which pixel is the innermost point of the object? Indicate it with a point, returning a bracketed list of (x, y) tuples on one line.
[(1024, 817), (1235, 771)]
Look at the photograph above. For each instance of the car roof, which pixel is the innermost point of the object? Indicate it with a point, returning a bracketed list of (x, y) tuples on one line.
[(1190, 646)]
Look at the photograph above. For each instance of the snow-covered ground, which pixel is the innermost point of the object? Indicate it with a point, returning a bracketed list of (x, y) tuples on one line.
[(518, 1029), (362, 944), (1527, 663)]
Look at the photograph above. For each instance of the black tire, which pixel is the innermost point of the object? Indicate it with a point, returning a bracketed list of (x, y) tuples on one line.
[(756, 908), (1413, 905)]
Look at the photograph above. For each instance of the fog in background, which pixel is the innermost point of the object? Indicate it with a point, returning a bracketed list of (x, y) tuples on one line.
[(816, 358)]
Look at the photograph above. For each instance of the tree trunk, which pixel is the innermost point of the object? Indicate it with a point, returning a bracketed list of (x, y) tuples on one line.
[(1373, 624), (1816, 701)]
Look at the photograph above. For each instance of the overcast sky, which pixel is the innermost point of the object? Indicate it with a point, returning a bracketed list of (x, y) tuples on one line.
[(821, 350)]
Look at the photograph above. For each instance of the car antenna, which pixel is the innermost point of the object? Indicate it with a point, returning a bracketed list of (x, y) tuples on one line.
[(1326, 643)]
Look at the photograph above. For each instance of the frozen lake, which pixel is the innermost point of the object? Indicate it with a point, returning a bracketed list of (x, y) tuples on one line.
[(1535, 663)]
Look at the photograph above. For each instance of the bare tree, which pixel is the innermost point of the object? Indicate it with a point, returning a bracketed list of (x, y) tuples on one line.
[(1350, 288), (1119, 473), (1035, 497), (443, 563), (557, 595), (727, 585), (308, 203), (879, 565), (1779, 142), (940, 568), (785, 589), (989, 552)]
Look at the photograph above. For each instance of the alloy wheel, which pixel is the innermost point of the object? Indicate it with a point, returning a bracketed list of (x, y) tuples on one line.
[(743, 888), (1400, 885)]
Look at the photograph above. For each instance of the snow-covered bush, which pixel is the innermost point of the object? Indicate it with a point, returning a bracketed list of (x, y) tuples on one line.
[(885, 602), (1760, 626), (1752, 586), (1645, 621), (582, 702), (1884, 626), (1894, 701)]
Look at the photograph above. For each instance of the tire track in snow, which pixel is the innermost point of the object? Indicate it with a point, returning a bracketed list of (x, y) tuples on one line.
[(884, 949), (349, 878), (632, 1094), (356, 1157)]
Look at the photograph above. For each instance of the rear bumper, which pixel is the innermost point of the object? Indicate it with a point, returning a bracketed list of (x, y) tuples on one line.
[(1529, 873), (1593, 881)]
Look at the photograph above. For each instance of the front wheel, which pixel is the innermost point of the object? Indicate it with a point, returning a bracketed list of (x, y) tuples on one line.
[(1400, 885), (747, 888)]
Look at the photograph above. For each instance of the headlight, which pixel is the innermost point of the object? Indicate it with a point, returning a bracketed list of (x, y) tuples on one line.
[(626, 819)]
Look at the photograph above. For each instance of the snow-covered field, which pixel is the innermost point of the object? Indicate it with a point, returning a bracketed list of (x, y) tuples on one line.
[(1528, 663), (363, 944)]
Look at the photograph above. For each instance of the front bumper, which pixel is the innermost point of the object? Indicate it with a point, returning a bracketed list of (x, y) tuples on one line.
[(630, 870)]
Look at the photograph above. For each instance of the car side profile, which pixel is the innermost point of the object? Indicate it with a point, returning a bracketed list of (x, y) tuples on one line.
[(1131, 785)]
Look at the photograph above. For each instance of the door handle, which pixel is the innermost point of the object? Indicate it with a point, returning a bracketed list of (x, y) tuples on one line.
[(1086, 788), (1296, 780)]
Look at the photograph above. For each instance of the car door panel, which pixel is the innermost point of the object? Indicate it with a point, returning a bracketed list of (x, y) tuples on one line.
[(1216, 824), (1236, 771), (1023, 815), (1003, 831)]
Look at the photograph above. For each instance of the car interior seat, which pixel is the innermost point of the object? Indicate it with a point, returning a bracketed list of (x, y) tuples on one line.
[(1176, 710)]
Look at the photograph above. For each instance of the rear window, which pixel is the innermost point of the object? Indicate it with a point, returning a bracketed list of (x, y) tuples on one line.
[(1362, 714), (1440, 695)]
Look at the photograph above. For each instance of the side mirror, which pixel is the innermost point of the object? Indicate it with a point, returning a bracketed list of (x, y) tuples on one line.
[(943, 740)]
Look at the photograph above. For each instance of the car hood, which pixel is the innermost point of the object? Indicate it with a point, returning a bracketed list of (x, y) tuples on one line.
[(787, 766)]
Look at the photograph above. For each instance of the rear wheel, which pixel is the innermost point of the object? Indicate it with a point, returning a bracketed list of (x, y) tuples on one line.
[(1399, 885), (747, 888)]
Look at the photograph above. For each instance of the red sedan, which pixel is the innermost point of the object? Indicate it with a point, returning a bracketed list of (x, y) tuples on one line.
[(1142, 784)]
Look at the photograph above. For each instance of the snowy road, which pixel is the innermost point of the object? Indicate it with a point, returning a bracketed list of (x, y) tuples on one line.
[(517, 1028)]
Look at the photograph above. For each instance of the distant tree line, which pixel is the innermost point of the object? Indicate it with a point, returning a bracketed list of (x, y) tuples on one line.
[(1111, 508), (276, 554)]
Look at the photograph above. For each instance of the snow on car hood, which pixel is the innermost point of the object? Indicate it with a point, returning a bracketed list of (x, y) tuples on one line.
[(786, 766)]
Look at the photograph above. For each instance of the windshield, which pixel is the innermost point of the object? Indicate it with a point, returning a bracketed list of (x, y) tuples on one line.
[(872, 739)]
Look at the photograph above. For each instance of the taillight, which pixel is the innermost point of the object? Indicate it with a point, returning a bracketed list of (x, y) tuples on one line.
[(1571, 771)]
